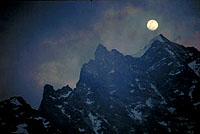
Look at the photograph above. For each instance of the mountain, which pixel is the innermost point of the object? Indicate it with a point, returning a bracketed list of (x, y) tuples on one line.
[(158, 92), (16, 116)]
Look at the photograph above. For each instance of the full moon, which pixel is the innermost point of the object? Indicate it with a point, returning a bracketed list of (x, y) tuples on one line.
[(152, 25)]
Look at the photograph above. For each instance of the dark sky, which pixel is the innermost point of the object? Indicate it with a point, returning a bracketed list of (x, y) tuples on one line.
[(47, 42)]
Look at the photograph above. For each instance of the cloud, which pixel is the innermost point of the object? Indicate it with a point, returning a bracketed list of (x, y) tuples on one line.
[(58, 73), (192, 40), (122, 27)]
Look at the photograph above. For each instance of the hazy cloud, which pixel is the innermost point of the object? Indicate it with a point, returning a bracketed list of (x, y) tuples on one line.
[(121, 27)]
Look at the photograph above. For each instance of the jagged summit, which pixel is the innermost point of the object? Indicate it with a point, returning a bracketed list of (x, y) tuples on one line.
[(64, 90), (50, 88), (101, 47), (102, 52), (17, 100), (160, 38), (120, 94)]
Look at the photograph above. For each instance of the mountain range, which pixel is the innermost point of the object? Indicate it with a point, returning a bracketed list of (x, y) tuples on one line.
[(157, 93)]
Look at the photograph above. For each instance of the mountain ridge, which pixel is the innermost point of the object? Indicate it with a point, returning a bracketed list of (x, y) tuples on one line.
[(114, 81), (155, 93)]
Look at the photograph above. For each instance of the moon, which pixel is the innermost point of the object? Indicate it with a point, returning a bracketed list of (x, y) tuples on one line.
[(152, 25)]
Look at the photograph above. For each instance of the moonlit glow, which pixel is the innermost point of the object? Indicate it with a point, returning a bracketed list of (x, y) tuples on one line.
[(152, 25)]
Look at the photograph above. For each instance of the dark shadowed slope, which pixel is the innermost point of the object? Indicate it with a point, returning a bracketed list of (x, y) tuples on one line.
[(16, 116)]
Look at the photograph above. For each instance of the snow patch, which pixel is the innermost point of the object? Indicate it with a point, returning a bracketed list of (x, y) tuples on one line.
[(149, 103), (38, 118), (59, 106), (194, 81), (112, 71), (158, 93), (171, 109), (132, 85), (52, 97), (96, 124), (169, 130), (182, 93), (89, 92), (196, 104), (176, 91), (16, 102), (176, 73), (169, 51), (191, 54), (89, 102), (21, 129), (170, 63), (137, 80), (195, 67), (140, 87), (65, 95), (112, 92), (163, 123), (62, 109), (81, 130), (137, 115), (46, 123), (190, 93)]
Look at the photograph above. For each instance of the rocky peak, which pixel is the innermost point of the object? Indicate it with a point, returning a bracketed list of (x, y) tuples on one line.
[(17, 100), (16, 116), (51, 94), (160, 47), (48, 89), (100, 52), (158, 41), (122, 94), (66, 90), (160, 38)]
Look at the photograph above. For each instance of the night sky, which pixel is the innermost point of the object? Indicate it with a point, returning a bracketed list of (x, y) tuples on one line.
[(48, 42)]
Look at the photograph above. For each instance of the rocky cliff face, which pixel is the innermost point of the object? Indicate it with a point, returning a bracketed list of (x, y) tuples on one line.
[(16, 116), (117, 94)]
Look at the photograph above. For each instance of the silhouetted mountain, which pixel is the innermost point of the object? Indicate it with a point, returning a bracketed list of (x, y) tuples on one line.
[(157, 93), (16, 116)]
